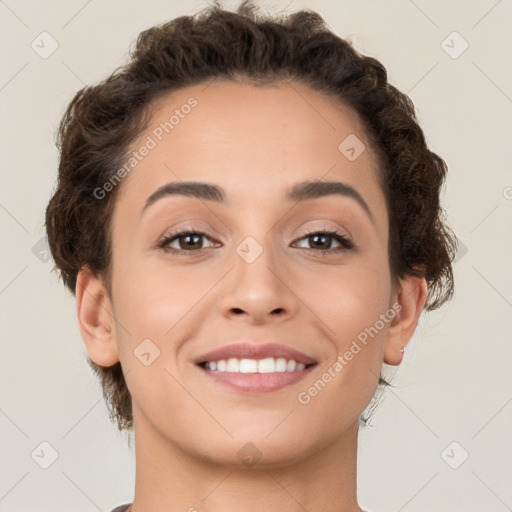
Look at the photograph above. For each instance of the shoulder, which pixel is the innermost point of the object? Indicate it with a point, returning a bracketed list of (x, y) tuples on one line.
[(121, 508)]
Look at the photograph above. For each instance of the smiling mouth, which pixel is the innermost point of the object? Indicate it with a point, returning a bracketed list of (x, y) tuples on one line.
[(255, 376), (258, 366)]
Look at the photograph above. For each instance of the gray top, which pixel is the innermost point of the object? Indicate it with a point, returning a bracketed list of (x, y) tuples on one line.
[(122, 508)]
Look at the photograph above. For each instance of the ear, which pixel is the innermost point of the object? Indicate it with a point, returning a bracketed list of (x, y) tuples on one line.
[(96, 318), (409, 300)]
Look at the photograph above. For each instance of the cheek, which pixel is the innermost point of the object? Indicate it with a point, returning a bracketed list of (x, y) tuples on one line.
[(347, 299), (351, 307), (155, 300), (157, 306)]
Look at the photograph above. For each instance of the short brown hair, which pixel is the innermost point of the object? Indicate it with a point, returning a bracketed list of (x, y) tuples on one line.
[(103, 120)]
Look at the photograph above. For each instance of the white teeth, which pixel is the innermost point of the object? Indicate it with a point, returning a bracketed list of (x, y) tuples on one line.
[(248, 366), (267, 365), (233, 365), (280, 364)]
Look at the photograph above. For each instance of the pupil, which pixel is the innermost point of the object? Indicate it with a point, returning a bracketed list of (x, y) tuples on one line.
[(191, 237), (316, 237)]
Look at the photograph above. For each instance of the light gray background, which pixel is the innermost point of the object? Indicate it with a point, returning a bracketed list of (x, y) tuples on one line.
[(455, 383)]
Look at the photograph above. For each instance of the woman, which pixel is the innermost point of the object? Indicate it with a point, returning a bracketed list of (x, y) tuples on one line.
[(249, 217)]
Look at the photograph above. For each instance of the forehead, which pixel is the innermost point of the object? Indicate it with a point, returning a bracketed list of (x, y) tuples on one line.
[(255, 141)]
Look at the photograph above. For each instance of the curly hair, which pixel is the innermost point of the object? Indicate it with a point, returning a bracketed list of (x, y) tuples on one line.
[(103, 120)]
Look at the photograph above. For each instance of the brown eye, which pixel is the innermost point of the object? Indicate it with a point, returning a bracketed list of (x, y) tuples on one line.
[(189, 241), (322, 241), (184, 241)]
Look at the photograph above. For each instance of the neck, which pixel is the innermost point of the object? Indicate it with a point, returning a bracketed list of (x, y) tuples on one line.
[(170, 479)]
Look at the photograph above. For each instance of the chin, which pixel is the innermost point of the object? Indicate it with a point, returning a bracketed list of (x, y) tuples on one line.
[(258, 448)]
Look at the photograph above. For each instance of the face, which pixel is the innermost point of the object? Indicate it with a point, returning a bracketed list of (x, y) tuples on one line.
[(266, 265)]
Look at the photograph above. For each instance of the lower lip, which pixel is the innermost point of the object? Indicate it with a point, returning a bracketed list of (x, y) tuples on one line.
[(258, 382)]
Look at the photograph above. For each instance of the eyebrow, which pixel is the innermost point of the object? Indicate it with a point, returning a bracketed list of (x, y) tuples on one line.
[(299, 192)]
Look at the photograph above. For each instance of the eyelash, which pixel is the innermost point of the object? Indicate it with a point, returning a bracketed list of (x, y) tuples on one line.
[(346, 244)]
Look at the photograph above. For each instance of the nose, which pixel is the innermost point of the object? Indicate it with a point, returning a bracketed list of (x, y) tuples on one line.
[(256, 291)]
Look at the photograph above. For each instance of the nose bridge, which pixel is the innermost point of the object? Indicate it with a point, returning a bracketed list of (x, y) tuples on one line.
[(258, 249), (255, 284), (254, 262)]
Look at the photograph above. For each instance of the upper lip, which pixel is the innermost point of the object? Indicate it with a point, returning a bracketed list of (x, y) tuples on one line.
[(254, 351)]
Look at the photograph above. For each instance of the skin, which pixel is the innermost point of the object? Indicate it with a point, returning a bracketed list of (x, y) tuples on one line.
[(254, 142)]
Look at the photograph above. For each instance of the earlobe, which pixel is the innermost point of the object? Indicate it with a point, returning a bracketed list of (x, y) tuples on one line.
[(411, 298), (96, 318)]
